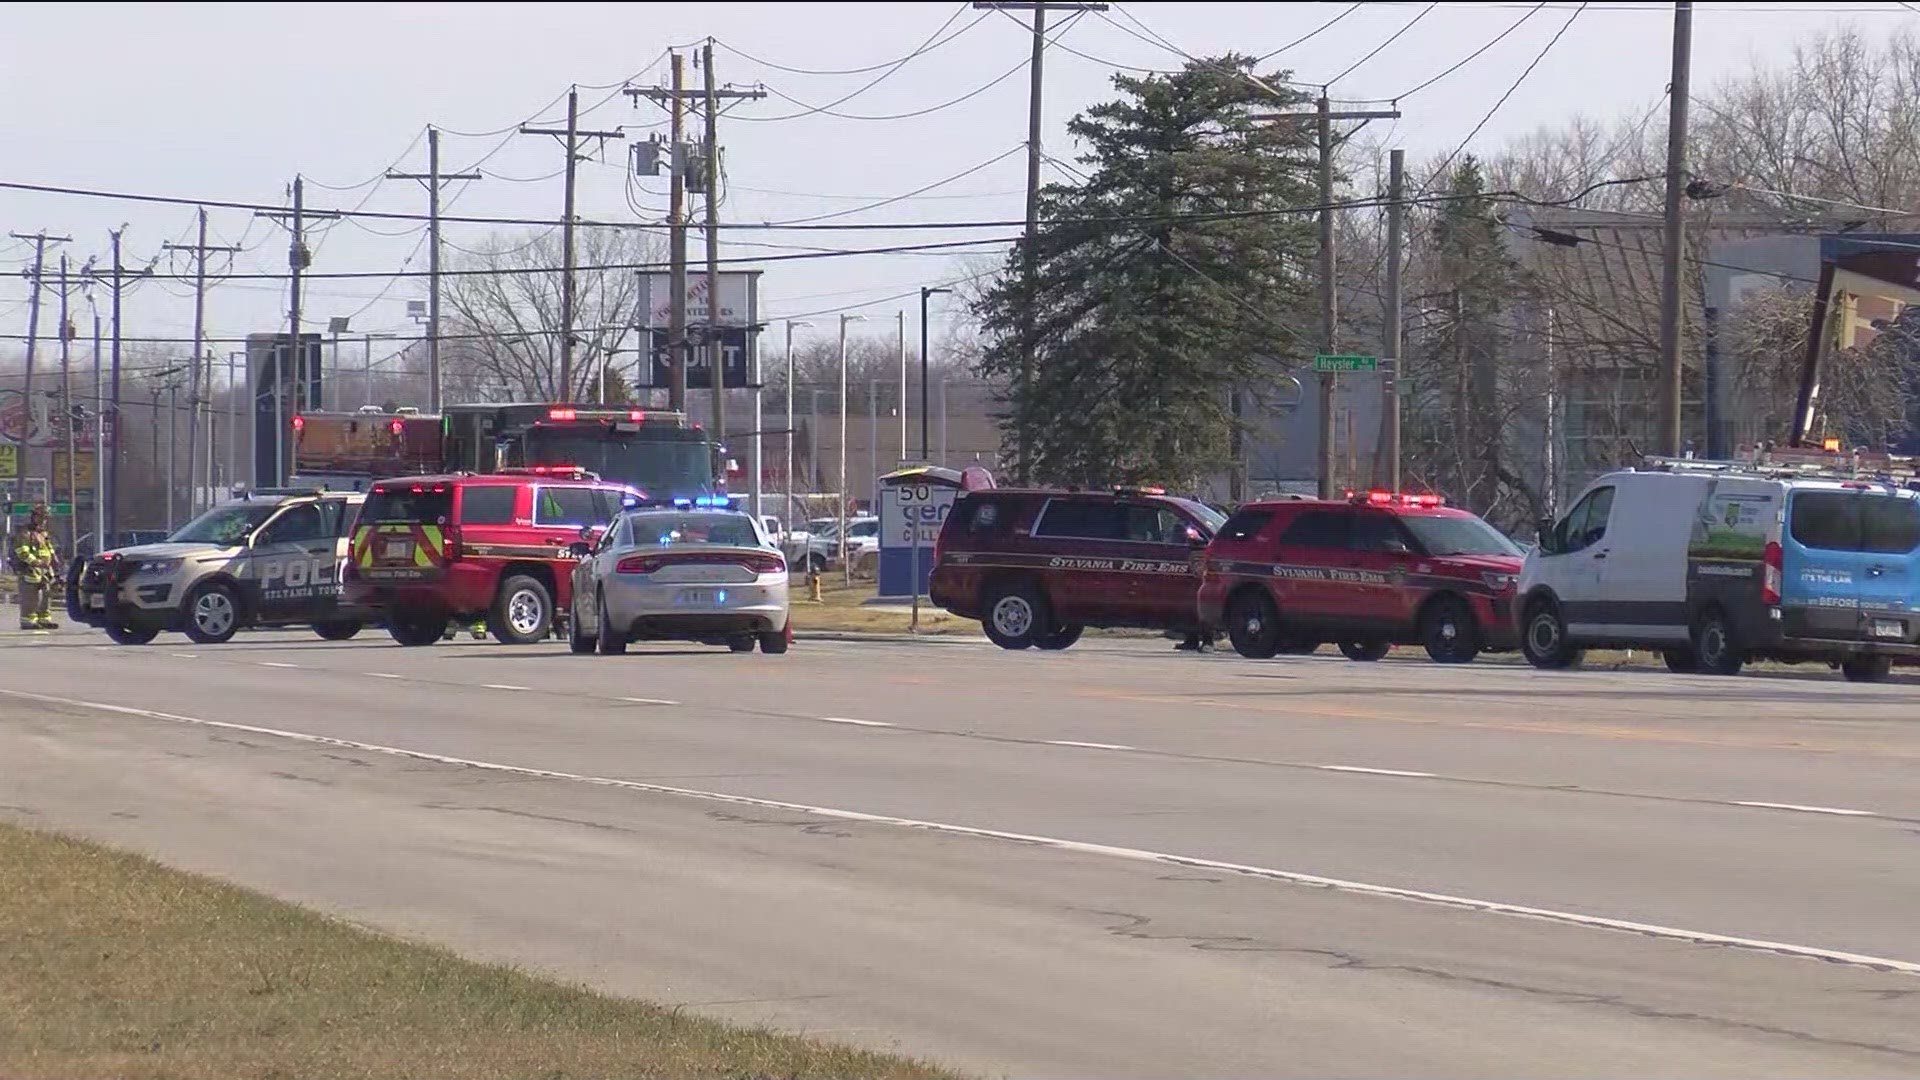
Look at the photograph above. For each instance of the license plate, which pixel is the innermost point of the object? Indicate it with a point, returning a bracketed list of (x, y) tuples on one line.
[(397, 549), (1889, 628), (97, 601), (699, 597)]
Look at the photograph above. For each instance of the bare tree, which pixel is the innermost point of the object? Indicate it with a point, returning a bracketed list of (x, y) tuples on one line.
[(503, 332)]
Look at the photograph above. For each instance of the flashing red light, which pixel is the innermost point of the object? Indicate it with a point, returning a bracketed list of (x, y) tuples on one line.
[(1427, 500), (636, 415), (563, 414), (397, 426), (299, 423), (1379, 498)]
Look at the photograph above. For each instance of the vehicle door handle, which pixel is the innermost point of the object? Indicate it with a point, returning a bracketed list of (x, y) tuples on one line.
[(1599, 555)]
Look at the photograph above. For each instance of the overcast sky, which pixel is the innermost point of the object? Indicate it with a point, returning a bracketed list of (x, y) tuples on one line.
[(229, 101)]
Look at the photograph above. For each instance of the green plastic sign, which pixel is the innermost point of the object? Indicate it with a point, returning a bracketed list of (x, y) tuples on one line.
[(23, 509)]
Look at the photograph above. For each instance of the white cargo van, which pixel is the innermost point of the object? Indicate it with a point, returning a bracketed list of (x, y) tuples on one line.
[(1714, 564)]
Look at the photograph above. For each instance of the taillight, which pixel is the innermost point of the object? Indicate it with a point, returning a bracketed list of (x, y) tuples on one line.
[(766, 564), (1771, 574), (639, 564)]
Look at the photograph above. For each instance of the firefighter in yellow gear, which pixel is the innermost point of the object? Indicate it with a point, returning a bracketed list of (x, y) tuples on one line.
[(477, 629), (33, 560)]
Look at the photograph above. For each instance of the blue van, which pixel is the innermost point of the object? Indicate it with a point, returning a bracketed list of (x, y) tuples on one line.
[(1715, 564)]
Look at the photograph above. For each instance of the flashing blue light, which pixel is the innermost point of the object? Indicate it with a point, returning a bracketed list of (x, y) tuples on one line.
[(682, 502), (712, 502), (722, 596)]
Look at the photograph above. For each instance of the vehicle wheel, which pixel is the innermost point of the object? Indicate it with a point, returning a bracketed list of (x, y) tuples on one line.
[(522, 612), (213, 614), (1062, 637), (342, 630), (1449, 632), (414, 630), (1015, 615), (741, 642), (1713, 646), (1680, 661), (775, 642), (1365, 652), (131, 635), (1253, 626), (578, 643), (1866, 668), (1301, 648), (1544, 642), (605, 641)]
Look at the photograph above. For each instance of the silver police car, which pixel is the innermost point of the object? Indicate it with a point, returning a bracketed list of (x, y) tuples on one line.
[(712, 576)]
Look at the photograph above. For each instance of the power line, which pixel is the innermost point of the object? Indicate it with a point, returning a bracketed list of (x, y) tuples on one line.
[(1475, 54), (1378, 49), (1309, 35), (995, 160), (932, 42), (925, 47), (1534, 63)]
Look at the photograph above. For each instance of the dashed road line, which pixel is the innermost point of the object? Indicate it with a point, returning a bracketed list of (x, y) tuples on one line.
[(381, 675), (648, 701), (276, 663), (186, 655), (1374, 772), (1809, 809), (1079, 847), (502, 686), (858, 723), (1088, 745)]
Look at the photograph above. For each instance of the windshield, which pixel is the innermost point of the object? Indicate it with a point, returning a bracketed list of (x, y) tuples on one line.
[(225, 525), (1449, 535), (659, 468), (665, 530)]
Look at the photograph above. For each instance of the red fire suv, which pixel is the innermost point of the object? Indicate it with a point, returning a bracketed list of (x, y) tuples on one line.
[(1377, 570), (498, 546)]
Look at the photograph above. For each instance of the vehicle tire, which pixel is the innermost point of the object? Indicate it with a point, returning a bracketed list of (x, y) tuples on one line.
[(1060, 638), (775, 642), (522, 612), (1253, 626), (1365, 652), (1015, 615), (342, 630), (74, 569), (415, 630), (605, 641), (123, 634), (1543, 638), (212, 614), (1866, 668), (1449, 632), (1301, 648), (578, 643), (1680, 661), (1714, 650), (741, 642)]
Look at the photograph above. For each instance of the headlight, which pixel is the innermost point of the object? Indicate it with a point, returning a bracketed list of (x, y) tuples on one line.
[(1501, 582), (157, 567)]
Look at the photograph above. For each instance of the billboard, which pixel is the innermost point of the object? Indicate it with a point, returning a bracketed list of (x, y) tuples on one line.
[(737, 317)]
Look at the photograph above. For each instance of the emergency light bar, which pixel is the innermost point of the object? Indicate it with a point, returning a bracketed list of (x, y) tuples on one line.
[(1378, 497), (1139, 491), (570, 472)]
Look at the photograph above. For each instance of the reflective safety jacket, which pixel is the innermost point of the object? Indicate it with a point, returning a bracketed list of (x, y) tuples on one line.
[(33, 556)]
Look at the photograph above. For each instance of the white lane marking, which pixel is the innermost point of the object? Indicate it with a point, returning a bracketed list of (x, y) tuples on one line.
[(380, 675), (1809, 809), (186, 655), (1088, 745), (501, 686), (648, 701), (1372, 772), (851, 720), (1393, 892), (275, 663)]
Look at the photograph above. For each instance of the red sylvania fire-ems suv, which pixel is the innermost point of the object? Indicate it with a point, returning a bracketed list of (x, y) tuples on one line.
[(654, 451)]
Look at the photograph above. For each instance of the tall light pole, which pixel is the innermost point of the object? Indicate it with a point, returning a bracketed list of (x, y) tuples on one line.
[(791, 323), (925, 292), (845, 567)]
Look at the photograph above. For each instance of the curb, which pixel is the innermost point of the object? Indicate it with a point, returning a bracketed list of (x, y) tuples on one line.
[(875, 636)]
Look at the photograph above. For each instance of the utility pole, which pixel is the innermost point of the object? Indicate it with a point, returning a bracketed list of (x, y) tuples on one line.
[(1029, 262), (570, 137), (196, 385), (901, 331), (66, 409), (1396, 241), (295, 356), (675, 99), (716, 352), (99, 437), (40, 242), (113, 484), (1676, 231), (432, 179), (925, 450), (173, 443)]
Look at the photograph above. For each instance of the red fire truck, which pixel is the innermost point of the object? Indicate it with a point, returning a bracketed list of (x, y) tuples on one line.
[(658, 452)]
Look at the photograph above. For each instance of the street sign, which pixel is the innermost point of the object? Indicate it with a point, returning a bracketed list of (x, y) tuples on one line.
[(60, 509), (9, 461), (22, 509), (1325, 362)]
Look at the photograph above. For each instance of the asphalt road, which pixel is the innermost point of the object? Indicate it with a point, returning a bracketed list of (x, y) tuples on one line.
[(1114, 861)]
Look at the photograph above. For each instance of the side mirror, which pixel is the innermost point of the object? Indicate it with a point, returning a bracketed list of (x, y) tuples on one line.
[(1397, 546), (580, 549), (1542, 529), (1195, 537)]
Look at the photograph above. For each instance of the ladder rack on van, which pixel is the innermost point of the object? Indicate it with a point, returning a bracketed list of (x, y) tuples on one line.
[(1793, 463)]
